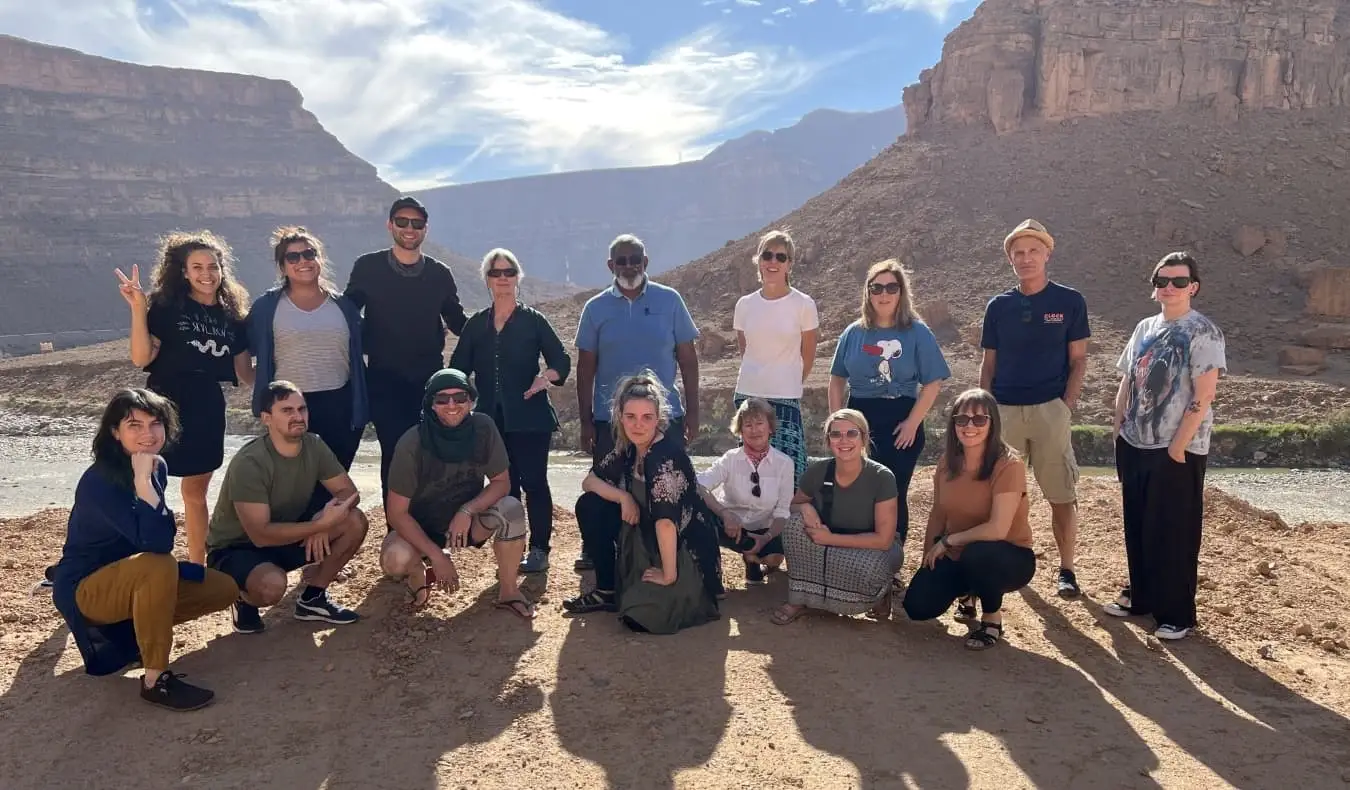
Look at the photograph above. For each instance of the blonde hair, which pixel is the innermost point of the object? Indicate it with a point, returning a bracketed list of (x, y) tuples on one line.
[(753, 407), (904, 312), (859, 421), (775, 237), (643, 385), (503, 254)]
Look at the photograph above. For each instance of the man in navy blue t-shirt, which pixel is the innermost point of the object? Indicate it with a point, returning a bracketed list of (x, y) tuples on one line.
[(1035, 356)]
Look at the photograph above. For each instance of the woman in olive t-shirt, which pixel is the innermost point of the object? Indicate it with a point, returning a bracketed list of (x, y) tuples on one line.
[(840, 543), (978, 539)]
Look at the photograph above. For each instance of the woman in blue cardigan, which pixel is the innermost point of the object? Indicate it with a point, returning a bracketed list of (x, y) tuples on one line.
[(305, 332), (117, 584)]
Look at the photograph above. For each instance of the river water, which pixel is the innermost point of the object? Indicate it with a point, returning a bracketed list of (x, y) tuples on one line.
[(41, 460)]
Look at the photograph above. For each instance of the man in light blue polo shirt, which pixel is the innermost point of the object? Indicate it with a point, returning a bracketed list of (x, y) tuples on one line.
[(634, 324)]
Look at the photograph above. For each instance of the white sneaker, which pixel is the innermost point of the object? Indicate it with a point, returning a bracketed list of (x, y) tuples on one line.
[(1171, 632)]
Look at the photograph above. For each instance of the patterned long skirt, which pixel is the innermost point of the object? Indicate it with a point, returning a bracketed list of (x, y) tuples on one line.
[(790, 437), (839, 580)]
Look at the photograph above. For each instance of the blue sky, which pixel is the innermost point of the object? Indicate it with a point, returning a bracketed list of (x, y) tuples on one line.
[(447, 91)]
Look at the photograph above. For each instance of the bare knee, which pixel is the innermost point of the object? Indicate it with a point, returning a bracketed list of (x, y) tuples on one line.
[(266, 585), (397, 558), (356, 525), (194, 489)]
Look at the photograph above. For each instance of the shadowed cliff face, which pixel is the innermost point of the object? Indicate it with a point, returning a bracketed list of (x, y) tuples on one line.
[(1017, 61), (98, 158), (561, 225)]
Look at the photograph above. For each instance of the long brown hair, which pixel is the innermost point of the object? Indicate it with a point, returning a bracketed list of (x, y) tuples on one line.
[(169, 283), (904, 312), (287, 235), (994, 446)]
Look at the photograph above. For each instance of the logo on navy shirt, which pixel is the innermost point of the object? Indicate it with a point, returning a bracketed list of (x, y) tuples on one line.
[(1054, 318)]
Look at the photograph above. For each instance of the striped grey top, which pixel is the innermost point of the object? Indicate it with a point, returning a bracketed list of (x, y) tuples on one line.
[(311, 346)]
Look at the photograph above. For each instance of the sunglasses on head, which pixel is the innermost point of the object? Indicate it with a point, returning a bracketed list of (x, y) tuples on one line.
[(403, 222), (294, 257), (1177, 282), (978, 420), (851, 433), (781, 257), (447, 398), (877, 289), (495, 273), (629, 260)]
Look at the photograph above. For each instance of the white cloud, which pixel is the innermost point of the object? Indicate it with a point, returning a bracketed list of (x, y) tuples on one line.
[(392, 78), (749, 3), (806, 2), (784, 11), (938, 8)]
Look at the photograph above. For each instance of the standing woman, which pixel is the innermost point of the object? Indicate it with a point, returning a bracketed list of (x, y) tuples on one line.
[(1169, 375), (501, 346), (304, 332), (888, 365), (776, 334), (191, 338)]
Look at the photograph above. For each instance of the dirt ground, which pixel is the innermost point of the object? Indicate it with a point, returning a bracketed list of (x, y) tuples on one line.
[(463, 695)]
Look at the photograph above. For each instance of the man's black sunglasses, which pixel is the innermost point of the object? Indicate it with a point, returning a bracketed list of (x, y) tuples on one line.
[(635, 259), (403, 222), (1177, 282)]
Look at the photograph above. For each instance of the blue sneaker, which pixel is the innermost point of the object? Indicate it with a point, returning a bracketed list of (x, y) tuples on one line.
[(322, 608)]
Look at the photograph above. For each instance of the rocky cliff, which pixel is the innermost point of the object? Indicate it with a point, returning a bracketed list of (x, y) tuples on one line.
[(1021, 61), (561, 225), (99, 157)]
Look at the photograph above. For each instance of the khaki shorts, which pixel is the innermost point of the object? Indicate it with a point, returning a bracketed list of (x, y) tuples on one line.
[(1043, 434)]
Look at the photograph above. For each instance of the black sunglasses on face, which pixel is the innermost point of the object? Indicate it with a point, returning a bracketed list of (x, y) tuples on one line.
[(495, 273), (877, 289), (978, 420), (449, 398), (754, 482), (629, 260), (403, 222), (294, 257), (1161, 282), (781, 257)]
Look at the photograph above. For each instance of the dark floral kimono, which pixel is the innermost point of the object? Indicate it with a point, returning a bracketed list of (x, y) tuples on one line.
[(665, 488)]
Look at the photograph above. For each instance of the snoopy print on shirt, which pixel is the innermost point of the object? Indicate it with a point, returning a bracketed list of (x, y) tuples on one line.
[(888, 362), (885, 351)]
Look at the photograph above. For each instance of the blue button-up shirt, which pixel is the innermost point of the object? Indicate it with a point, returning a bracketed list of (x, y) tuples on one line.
[(627, 336)]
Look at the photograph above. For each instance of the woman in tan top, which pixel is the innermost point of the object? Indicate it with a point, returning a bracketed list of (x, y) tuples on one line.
[(978, 535)]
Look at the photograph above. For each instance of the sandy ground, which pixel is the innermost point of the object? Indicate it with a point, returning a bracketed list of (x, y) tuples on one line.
[(463, 695)]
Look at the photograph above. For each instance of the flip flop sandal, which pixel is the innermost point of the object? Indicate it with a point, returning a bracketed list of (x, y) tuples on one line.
[(426, 587), (521, 607), (982, 639), (965, 608), (780, 618)]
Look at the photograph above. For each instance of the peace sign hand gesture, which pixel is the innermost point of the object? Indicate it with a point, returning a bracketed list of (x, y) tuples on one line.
[(130, 287)]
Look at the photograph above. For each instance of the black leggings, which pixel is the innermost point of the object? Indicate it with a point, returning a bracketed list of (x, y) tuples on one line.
[(883, 415), (527, 452), (330, 417), (601, 526), (987, 569), (395, 406)]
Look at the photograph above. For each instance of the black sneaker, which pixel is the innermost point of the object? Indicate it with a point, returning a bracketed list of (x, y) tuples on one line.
[(246, 619), (321, 607), (593, 601), (172, 693), (754, 573), (583, 563), (1067, 587)]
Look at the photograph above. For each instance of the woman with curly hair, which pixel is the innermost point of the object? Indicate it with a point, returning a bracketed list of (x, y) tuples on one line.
[(189, 335)]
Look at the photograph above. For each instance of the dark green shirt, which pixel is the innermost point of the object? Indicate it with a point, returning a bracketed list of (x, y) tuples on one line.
[(504, 365)]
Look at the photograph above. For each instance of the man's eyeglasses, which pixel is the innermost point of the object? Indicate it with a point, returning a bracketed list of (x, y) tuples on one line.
[(754, 483), (629, 260), (781, 257), (877, 289), (978, 420), (1161, 282), (447, 398), (403, 222), (309, 255), (495, 273)]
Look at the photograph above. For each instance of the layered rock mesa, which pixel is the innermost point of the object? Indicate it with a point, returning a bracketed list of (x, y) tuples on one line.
[(1021, 61), (560, 225), (99, 157)]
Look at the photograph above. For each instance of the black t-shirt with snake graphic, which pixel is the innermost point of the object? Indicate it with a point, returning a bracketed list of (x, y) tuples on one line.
[(195, 339)]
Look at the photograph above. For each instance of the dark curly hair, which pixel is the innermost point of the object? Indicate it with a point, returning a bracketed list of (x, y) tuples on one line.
[(287, 235), (169, 284)]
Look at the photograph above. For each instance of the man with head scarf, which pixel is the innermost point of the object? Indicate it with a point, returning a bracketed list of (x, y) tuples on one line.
[(448, 489)]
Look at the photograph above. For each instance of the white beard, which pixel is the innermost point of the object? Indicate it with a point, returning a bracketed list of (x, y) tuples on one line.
[(631, 283)]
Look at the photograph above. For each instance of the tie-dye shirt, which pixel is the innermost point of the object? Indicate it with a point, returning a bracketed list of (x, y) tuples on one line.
[(1160, 363)]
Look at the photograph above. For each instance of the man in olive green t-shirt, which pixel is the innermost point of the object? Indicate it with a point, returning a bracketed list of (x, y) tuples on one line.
[(261, 527), (438, 496)]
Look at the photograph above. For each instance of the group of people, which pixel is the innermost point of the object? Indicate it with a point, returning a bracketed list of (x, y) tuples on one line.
[(464, 446)]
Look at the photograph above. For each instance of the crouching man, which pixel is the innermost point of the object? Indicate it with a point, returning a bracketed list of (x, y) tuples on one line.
[(261, 528), (438, 498)]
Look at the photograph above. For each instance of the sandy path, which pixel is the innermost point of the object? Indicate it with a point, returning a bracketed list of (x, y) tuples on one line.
[(464, 695)]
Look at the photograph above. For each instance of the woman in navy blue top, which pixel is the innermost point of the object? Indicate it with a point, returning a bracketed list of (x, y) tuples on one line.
[(117, 584), (888, 365)]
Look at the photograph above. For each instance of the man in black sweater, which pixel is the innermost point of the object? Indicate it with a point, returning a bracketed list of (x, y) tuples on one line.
[(409, 299)]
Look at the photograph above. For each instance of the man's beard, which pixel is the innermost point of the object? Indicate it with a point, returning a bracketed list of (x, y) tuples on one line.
[(631, 283), (411, 247)]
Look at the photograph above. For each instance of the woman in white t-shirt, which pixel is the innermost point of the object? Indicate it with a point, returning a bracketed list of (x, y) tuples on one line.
[(776, 334)]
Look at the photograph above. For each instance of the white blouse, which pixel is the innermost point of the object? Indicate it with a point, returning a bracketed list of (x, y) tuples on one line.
[(731, 473)]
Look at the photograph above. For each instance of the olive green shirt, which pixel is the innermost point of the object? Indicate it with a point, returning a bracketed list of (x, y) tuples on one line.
[(259, 474), (852, 512)]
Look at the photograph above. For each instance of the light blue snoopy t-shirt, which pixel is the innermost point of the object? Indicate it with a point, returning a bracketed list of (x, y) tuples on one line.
[(888, 362)]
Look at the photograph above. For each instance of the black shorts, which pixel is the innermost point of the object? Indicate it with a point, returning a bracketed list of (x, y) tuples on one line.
[(238, 561), (200, 447)]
